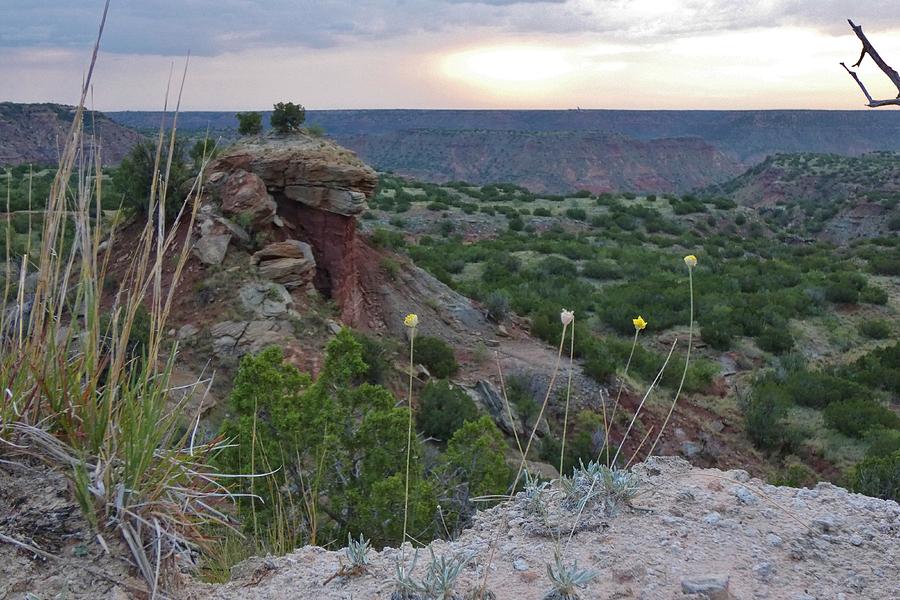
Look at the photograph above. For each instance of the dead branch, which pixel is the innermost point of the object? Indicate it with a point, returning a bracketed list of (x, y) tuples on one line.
[(868, 48)]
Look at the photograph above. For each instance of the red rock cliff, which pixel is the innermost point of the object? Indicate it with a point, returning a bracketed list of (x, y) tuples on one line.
[(317, 189)]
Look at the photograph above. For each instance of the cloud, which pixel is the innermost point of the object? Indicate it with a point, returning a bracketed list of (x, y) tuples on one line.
[(211, 27)]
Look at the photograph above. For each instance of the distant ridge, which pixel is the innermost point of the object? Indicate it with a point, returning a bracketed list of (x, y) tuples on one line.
[(33, 133), (563, 150)]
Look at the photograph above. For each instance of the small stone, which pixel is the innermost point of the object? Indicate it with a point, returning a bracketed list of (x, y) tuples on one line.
[(773, 540), (501, 330), (856, 539), (714, 587), (764, 570), (826, 523), (739, 475), (520, 565), (187, 331), (744, 495), (334, 326), (712, 518)]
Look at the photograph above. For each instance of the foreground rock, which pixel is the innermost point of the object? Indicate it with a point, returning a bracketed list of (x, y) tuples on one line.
[(664, 548)]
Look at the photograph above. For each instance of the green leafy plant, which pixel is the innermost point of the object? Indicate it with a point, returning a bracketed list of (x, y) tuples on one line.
[(287, 117), (437, 356), (249, 123), (567, 579), (443, 409)]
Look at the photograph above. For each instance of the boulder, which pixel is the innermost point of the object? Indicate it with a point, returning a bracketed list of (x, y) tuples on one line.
[(285, 249), (290, 263), (211, 248), (243, 193), (265, 299)]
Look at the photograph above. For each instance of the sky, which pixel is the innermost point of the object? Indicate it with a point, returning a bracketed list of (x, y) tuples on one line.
[(557, 54)]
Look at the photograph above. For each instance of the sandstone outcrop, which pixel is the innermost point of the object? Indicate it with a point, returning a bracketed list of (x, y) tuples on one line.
[(290, 263), (304, 193)]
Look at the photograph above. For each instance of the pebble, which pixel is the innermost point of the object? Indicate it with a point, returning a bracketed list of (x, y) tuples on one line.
[(714, 587), (712, 518), (520, 565), (764, 570), (744, 495)]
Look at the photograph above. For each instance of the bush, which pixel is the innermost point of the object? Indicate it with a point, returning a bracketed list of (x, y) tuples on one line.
[(476, 452), (818, 390), (764, 417), (776, 340), (602, 269), (883, 442), (542, 212), (287, 117), (872, 294), (136, 173), (443, 409), (577, 214), (875, 329), (516, 224), (385, 238), (249, 123), (856, 417), (436, 355), (878, 477), (498, 306)]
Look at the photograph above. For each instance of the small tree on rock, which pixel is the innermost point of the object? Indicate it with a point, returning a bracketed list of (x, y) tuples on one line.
[(249, 123), (287, 117)]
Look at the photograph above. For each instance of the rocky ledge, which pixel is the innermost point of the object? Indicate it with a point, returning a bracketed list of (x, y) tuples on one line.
[(690, 533), (298, 197)]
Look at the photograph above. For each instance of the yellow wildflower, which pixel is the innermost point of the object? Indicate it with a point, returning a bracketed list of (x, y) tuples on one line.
[(411, 320), (639, 323), (690, 260)]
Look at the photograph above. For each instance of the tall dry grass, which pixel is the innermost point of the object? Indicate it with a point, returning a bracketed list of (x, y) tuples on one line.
[(75, 394)]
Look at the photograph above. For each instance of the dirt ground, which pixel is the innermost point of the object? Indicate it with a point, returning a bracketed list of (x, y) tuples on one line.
[(691, 533)]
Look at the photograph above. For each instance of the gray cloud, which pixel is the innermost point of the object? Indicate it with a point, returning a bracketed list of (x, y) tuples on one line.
[(211, 27)]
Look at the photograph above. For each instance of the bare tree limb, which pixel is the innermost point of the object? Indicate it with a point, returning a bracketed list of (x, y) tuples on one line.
[(868, 48)]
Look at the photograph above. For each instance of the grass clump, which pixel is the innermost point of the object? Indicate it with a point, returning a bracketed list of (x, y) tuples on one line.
[(567, 579)]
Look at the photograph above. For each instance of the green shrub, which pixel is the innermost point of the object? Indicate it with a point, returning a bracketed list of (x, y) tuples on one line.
[(872, 294), (516, 223), (497, 306), (856, 417), (443, 408), (602, 269), (542, 212), (287, 117), (795, 474), (385, 238), (476, 453), (249, 123), (878, 477), (876, 329), (818, 390), (436, 355), (764, 417), (577, 214), (776, 340), (135, 174), (882, 442)]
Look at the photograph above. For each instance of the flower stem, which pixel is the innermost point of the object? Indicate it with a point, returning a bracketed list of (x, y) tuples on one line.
[(412, 339), (562, 450), (607, 425), (687, 360)]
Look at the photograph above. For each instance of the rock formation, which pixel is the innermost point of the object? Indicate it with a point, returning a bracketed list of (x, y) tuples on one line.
[(305, 194)]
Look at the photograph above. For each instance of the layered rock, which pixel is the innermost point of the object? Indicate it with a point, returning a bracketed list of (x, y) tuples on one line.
[(300, 190), (290, 263)]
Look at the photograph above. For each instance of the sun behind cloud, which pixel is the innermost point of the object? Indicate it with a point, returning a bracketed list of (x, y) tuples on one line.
[(508, 63)]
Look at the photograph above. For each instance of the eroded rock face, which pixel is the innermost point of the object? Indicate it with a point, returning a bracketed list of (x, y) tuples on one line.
[(290, 263), (316, 189), (244, 194)]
